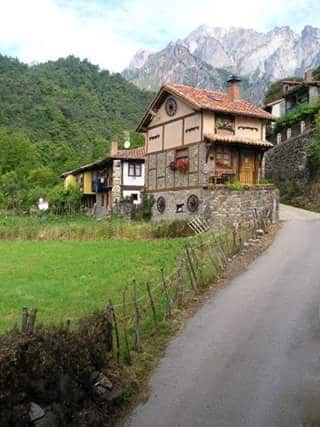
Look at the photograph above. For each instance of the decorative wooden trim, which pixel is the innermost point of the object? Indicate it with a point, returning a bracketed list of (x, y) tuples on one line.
[(163, 130), (173, 120), (173, 148), (182, 136), (201, 121)]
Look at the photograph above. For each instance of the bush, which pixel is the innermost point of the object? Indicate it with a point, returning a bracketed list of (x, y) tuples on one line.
[(174, 229), (51, 367), (64, 200), (264, 181), (144, 211), (300, 113), (235, 186)]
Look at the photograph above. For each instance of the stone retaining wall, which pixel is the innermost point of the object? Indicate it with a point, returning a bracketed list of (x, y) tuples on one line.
[(221, 207), (285, 164)]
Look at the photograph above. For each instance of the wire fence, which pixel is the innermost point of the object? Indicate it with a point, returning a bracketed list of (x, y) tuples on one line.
[(138, 318)]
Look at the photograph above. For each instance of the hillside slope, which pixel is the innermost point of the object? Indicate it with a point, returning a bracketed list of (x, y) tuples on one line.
[(69, 105)]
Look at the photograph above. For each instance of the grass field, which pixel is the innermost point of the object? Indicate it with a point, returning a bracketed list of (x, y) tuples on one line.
[(67, 279)]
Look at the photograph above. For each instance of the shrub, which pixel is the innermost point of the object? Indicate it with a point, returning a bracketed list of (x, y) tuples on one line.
[(264, 181), (235, 186), (297, 115), (144, 211), (313, 150)]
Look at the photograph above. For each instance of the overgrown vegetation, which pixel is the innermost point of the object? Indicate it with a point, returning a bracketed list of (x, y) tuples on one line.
[(55, 116), (298, 114), (43, 226), (55, 368), (313, 150)]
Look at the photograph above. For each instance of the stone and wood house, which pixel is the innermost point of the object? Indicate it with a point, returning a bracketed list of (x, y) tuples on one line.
[(196, 139), (107, 182)]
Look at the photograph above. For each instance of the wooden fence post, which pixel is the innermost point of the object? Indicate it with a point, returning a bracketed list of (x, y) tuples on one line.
[(154, 313), (179, 283), (109, 328), (125, 325), (24, 320), (192, 267), (191, 278), (116, 330), (166, 294), (137, 338), (32, 320)]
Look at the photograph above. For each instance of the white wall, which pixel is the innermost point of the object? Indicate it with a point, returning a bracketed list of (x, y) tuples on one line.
[(129, 193), (132, 180)]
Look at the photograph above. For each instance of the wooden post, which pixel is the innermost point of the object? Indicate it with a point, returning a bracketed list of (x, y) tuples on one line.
[(192, 283), (137, 341), (109, 328), (191, 267), (152, 306), (166, 294), (24, 320), (194, 257), (68, 323), (32, 320), (116, 330), (125, 325), (179, 283)]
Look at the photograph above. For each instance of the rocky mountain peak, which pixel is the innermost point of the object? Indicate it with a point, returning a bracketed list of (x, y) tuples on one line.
[(260, 58)]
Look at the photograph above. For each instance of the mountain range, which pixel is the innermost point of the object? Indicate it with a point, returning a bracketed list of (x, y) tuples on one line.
[(209, 54)]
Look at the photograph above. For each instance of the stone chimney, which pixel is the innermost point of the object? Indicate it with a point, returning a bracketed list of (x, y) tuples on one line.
[(233, 88), (114, 148), (308, 76)]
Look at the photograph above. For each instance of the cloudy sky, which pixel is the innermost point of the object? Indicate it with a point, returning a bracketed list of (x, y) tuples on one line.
[(108, 32)]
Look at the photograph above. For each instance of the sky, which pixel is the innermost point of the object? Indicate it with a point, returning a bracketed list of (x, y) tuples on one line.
[(109, 32)]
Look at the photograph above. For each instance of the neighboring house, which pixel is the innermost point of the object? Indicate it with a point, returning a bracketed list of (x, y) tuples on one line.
[(195, 137), (276, 108), (106, 182), (297, 92)]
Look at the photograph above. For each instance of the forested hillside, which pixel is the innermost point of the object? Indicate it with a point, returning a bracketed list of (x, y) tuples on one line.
[(57, 115)]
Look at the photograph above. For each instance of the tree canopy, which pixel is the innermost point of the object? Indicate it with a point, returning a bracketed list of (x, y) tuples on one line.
[(57, 115)]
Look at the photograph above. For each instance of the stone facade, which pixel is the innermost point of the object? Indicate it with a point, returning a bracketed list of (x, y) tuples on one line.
[(221, 207), (286, 164)]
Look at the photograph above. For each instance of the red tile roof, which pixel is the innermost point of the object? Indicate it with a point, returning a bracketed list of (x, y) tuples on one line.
[(133, 153), (233, 139), (216, 101)]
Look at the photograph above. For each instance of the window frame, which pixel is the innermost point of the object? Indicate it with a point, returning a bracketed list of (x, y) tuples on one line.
[(223, 151), (134, 169)]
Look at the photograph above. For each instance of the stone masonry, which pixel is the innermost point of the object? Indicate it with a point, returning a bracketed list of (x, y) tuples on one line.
[(221, 207), (285, 163)]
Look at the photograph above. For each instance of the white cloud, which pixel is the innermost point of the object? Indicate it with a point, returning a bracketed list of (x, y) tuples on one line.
[(108, 32)]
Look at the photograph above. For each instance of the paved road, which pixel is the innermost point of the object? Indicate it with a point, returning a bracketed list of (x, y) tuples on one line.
[(250, 356)]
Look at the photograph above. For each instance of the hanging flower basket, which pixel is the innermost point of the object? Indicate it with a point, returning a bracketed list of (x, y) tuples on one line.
[(182, 165)]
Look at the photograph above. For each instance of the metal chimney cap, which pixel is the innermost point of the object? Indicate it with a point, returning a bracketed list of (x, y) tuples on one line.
[(234, 79)]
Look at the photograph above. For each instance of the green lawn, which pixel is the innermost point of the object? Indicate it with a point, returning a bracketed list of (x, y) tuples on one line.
[(67, 279)]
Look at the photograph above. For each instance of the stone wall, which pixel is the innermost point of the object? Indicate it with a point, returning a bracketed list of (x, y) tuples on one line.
[(221, 207), (285, 163)]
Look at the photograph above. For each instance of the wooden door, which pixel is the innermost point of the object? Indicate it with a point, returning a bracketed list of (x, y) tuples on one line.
[(247, 167)]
